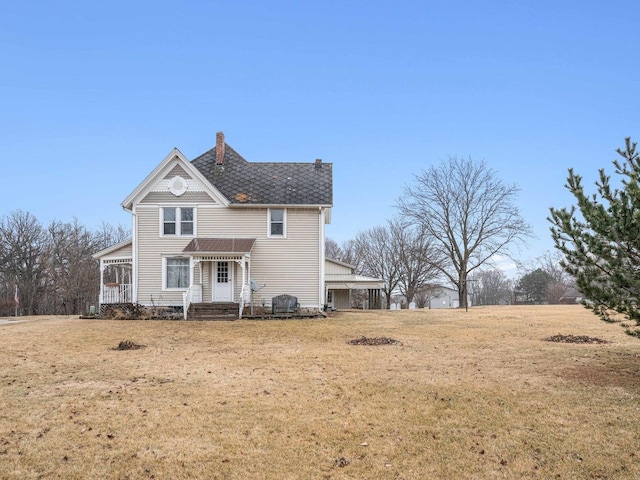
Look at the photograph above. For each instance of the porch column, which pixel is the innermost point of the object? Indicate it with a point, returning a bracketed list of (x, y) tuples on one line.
[(244, 271), (101, 294), (243, 266)]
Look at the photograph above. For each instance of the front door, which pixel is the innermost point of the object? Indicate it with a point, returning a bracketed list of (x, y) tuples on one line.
[(222, 284)]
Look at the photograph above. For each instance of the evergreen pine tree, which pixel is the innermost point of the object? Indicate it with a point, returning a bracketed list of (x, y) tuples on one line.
[(600, 238)]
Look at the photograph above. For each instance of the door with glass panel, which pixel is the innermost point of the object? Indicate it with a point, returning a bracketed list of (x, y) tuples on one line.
[(222, 282)]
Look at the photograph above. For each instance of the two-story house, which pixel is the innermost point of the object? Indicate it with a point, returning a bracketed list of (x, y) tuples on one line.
[(206, 230)]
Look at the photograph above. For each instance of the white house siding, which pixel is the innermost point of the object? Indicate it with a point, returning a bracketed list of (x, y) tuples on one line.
[(160, 191), (150, 248), (170, 199), (286, 265), (123, 252), (207, 277), (341, 299), (290, 265), (332, 268), (179, 171)]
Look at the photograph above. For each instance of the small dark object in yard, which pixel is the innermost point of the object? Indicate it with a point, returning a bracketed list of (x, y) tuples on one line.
[(374, 341), (341, 462), (128, 345), (575, 339)]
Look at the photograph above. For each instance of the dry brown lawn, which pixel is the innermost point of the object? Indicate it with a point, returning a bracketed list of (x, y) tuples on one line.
[(470, 395)]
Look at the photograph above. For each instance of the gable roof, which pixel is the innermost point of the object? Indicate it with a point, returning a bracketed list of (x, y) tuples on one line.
[(268, 183), (175, 157)]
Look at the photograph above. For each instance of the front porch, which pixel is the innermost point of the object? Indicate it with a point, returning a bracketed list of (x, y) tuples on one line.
[(116, 274), (220, 272), (116, 293)]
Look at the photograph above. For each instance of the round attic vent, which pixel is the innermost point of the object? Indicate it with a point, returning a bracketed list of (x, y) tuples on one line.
[(177, 186)]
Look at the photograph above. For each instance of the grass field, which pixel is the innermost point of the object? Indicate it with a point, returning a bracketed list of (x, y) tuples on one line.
[(470, 395)]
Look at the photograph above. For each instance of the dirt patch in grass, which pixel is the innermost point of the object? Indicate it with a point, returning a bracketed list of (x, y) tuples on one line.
[(128, 345), (574, 339), (374, 341), (621, 370)]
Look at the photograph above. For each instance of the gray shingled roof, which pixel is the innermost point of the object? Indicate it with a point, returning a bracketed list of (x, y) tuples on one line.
[(220, 245), (271, 183)]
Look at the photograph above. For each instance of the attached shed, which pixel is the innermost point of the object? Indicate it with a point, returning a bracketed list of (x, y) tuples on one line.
[(341, 281)]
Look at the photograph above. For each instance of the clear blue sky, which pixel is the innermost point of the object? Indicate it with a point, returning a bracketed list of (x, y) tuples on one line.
[(94, 94)]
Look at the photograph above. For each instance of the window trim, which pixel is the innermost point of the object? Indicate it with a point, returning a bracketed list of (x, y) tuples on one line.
[(165, 259), (178, 221), (284, 223)]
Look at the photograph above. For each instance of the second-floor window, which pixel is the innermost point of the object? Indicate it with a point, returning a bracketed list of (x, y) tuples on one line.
[(277, 222), (178, 220)]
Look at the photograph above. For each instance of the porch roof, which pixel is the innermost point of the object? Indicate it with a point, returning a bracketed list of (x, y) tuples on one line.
[(220, 245)]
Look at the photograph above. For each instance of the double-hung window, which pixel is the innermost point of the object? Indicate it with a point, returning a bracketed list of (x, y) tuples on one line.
[(177, 272), (178, 221), (277, 222)]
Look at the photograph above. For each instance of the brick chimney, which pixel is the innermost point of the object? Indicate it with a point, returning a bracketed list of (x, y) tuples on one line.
[(219, 148), (318, 164)]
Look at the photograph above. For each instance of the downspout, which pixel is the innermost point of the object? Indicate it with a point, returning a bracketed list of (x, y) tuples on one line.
[(321, 288), (134, 256)]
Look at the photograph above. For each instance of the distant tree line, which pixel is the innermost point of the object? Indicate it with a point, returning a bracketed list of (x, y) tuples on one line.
[(50, 267), (543, 281), (453, 219)]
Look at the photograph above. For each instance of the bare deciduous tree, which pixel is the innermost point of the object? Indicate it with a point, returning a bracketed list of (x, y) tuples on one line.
[(53, 267), (491, 287), (72, 273), (23, 243), (468, 211), (332, 249), (108, 235), (345, 253), (376, 254), (419, 261)]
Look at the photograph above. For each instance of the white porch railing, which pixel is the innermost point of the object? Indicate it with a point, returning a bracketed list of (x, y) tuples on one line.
[(187, 298), (116, 293), (242, 294), (192, 295)]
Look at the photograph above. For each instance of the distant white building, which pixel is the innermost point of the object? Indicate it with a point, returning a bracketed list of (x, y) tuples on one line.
[(445, 297), (432, 296)]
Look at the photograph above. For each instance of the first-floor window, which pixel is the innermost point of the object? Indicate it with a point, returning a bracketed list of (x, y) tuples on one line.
[(178, 272)]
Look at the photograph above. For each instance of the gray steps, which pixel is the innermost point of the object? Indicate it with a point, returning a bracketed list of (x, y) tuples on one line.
[(213, 311)]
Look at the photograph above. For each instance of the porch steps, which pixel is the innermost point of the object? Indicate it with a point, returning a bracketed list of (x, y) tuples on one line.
[(213, 311)]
